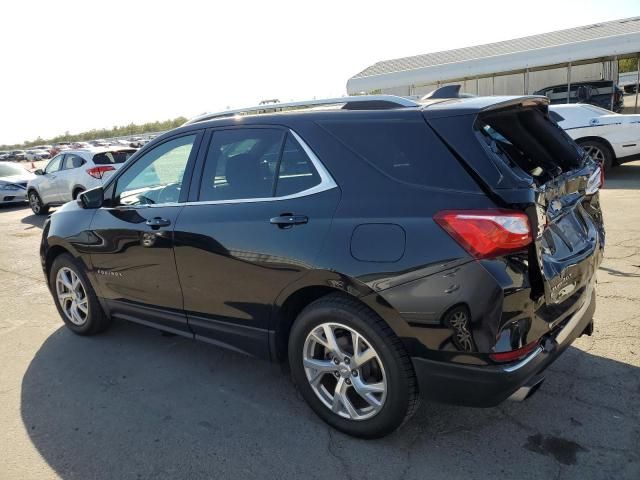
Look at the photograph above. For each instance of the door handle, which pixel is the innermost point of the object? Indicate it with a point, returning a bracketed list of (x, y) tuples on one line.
[(157, 222), (289, 220)]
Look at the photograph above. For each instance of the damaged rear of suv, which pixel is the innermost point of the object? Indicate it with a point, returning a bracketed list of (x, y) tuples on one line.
[(386, 249)]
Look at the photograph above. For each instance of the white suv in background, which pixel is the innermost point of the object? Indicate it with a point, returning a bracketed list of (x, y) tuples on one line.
[(71, 172)]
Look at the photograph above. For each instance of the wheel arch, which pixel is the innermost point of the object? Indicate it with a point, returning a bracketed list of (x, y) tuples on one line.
[(52, 253), (310, 288), (76, 190)]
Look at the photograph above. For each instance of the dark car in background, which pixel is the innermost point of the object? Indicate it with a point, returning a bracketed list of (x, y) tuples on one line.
[(15, 156), (602, 93), (385, 249)]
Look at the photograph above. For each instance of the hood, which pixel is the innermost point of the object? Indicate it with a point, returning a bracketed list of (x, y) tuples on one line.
[(21, 178)]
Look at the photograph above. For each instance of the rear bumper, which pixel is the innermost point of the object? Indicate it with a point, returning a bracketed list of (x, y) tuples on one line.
[(487, 386)]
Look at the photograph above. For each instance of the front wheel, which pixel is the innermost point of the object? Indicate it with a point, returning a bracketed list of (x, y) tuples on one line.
[(351, 368), (37, 207), (74, 297)]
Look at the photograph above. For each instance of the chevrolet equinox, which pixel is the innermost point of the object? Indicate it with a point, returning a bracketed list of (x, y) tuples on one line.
[(386, 249)]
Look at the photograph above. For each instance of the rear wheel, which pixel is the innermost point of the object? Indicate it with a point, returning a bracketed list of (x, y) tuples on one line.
[(351, 368), (77, 192), (74, 297), (36, 204), (599, 151)]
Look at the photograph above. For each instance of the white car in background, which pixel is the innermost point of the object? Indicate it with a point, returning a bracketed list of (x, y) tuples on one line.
[(610, 138), (13, 183), (71, 172), (34, 154)]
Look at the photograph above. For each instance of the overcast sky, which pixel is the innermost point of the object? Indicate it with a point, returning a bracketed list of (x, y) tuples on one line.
[(67, 65)]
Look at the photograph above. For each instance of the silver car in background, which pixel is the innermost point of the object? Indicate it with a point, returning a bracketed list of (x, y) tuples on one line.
[(71, 172), (13, 183)]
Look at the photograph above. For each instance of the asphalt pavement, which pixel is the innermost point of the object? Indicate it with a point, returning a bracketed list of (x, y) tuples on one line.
[(135, 404)]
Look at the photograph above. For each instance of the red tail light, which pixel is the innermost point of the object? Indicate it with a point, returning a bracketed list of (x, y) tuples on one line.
[(487, 233), (512, 355), (98, 172)]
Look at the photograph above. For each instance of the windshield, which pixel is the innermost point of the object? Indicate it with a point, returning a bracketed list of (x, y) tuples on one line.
[(8, 170)]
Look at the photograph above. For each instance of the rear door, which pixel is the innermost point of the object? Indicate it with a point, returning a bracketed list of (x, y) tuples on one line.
[(132, 251), (67, 176), (261, 208)]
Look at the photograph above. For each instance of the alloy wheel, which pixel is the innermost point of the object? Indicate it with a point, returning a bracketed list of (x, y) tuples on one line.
[(72, 296), (34, 202), (595, 153), (344, 371)]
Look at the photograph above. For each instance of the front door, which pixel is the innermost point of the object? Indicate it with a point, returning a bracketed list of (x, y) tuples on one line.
[(48, 182), (133, 256), (260, 216)]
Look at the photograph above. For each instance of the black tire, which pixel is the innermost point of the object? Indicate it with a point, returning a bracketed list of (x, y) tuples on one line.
[(607, 154), (35, 202), (95, 321), (77, 192), (402, 391)]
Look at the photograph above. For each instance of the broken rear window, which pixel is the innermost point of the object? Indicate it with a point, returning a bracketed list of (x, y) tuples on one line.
[(527, 139)]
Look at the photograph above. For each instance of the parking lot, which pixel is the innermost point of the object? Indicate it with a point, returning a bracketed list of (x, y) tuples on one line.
[(136, 404)]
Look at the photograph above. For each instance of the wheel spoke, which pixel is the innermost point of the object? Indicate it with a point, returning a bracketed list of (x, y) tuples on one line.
[(82, 306), (367, 390), (318, 369), (65, 281), (361, 358), (332, 343), (340, 398)]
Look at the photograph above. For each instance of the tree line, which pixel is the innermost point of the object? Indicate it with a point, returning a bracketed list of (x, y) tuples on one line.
[(116, 131)]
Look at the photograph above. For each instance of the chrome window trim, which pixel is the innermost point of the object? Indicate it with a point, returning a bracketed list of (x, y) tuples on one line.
[(326, 183)]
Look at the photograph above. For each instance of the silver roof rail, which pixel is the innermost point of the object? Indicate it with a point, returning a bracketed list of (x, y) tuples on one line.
[(356, 100)]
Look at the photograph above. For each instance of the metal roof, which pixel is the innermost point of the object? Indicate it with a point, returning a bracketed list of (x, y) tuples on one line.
[(578, 43)]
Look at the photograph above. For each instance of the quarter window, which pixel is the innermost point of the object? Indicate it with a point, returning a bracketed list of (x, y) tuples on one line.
[(296, 172), (157, 176)]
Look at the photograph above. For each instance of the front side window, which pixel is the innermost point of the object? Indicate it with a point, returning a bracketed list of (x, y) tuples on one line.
[(157, 176), (54, 165)]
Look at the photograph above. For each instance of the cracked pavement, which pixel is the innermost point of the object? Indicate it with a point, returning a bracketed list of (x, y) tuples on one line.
[(135, 404)]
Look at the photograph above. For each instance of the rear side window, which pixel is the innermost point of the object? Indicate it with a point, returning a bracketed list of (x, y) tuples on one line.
[(72, 161), (405, 150), (110, 158), (255, 163)]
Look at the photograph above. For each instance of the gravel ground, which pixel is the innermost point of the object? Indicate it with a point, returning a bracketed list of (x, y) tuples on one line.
[(134, 404)]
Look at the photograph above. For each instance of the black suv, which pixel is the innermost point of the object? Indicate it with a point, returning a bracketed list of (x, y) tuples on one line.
[(601, 93), (383, 248)]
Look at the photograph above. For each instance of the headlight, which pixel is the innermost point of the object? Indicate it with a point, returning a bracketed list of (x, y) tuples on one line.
[(10, 187)]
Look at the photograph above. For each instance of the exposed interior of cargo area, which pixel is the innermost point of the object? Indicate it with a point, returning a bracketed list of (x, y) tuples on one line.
[(524, 161)]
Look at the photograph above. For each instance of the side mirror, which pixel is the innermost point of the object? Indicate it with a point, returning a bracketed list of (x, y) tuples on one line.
[(39, 172), (91, 199)]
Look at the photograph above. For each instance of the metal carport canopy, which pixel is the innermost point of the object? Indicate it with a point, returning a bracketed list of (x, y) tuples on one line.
[(586, 51)]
